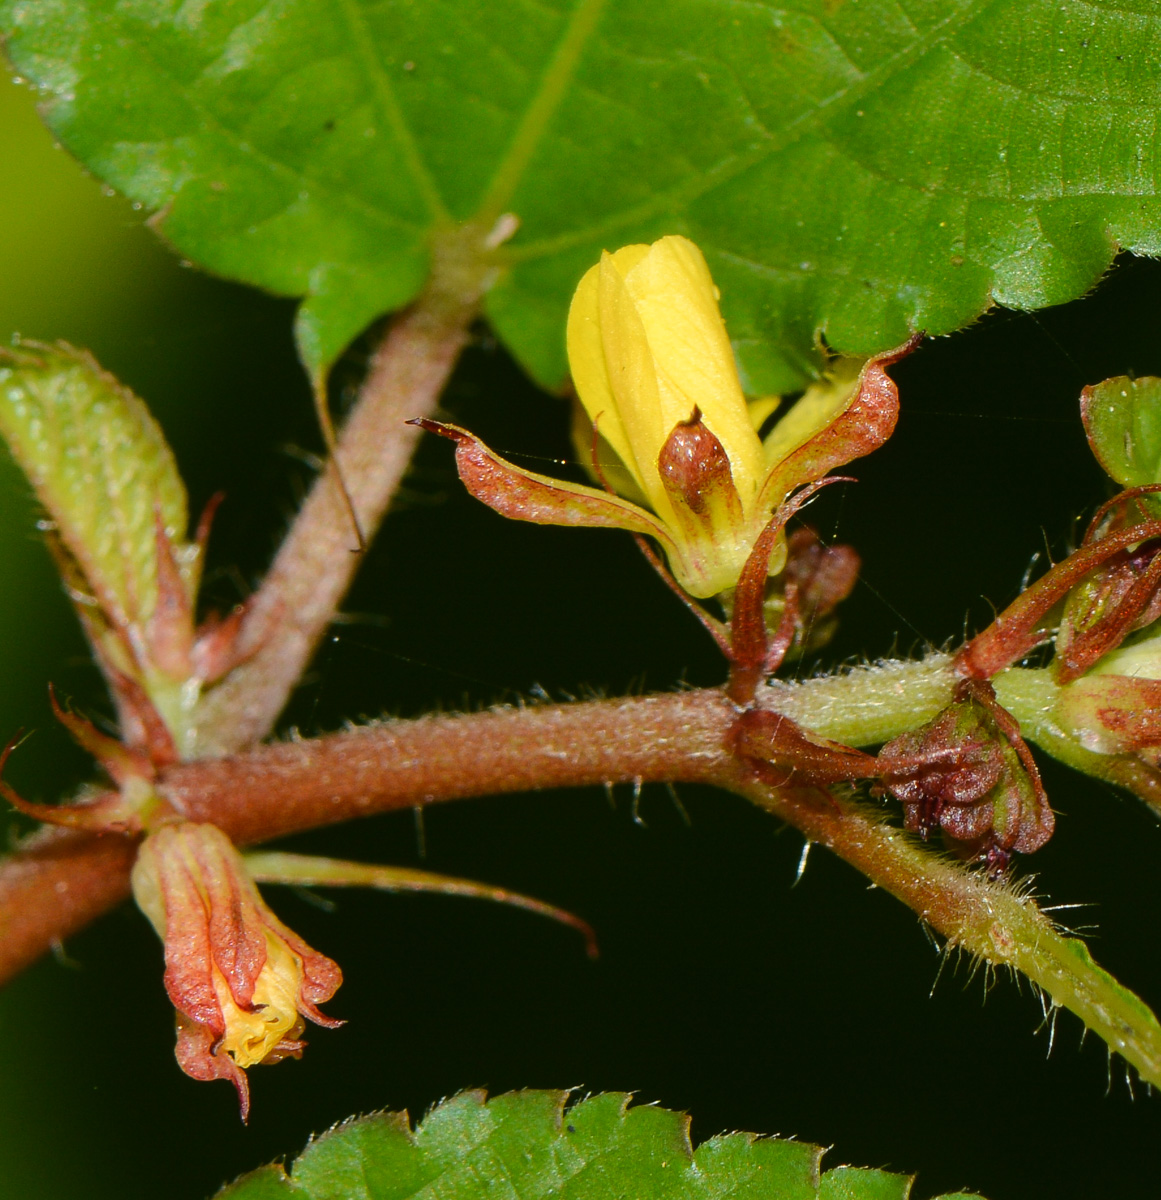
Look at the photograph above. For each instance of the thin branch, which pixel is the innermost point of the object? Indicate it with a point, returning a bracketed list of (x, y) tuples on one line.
[(57, 883)]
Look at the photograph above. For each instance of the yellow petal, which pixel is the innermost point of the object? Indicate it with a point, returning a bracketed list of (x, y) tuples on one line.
[(251, 1036), (610, 470), (586, 359), (633, 378), (676, 301), (761, 410)]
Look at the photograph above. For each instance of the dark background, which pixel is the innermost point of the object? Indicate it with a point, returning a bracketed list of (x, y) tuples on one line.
[(721, 989)]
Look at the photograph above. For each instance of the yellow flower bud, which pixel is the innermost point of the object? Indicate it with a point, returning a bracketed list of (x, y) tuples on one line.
[(654, 369)]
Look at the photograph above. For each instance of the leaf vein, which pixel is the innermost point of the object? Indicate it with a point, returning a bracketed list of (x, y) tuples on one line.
[(389, 107), (686, 192), (247, 149)]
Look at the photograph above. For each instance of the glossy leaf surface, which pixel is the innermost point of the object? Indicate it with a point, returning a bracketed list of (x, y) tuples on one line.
[(856, 170), (527, 1144)]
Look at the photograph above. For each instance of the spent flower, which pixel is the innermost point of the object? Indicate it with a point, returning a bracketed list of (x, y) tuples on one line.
[(240, 980)]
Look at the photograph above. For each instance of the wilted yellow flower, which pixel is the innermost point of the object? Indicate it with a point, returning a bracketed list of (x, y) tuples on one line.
[(240, 980), (655, 371)]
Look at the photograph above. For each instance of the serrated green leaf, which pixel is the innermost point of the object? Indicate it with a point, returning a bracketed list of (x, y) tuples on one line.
[(100, 466), (857, 170), (528, 1144), (1122, 418)]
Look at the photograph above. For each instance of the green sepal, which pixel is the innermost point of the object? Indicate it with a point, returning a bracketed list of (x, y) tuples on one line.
[(1122, 417)]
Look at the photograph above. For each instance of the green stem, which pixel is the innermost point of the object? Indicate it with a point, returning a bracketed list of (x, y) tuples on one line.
[(866, 705), (990, 920)]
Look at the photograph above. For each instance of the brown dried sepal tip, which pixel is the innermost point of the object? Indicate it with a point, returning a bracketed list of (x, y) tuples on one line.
[(970, 774)]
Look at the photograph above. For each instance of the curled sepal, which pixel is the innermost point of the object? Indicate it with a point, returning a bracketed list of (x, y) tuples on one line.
[(122, 763), (969, 773), (107, 812), (1028, 621), (240, 980), (527, 496), (833, 424), (307, 870)]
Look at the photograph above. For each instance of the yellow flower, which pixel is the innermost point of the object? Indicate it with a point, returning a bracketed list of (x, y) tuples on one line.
[(655, 371)]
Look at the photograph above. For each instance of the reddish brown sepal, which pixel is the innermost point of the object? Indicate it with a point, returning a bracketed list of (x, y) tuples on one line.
[(527, 496), (864, 425), (141, 723), (753, 653), (1024, 624), (786, 755), (970, 774), (121, 762), (223, 643), (1119, 597), (169, 631), (816, 579), (107, 813)]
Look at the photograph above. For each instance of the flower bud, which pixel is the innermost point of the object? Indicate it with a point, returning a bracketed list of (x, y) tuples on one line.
[(241, 982), (677, 443)]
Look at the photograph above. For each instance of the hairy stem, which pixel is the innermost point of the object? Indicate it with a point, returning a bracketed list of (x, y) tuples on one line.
[(270, 791), (989, 920), (319, 557)]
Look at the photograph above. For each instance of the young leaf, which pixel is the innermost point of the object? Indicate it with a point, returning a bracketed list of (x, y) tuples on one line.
[(857, 170), (528, 1144), (1122, 418), (100, 466)]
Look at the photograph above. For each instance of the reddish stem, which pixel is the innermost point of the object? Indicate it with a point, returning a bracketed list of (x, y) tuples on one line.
[(60, 882), (53, 887)]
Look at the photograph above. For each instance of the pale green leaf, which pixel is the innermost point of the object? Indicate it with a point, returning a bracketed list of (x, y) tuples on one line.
[(1122, 418), (100, 467)]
